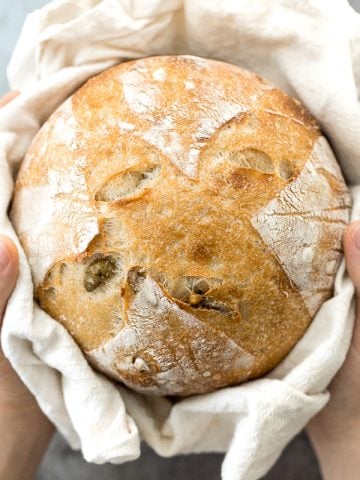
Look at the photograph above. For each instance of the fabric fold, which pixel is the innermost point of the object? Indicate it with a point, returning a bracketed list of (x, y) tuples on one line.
[(310, 49)]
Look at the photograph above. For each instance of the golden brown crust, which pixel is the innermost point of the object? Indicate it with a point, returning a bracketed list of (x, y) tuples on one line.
[(213, 213)]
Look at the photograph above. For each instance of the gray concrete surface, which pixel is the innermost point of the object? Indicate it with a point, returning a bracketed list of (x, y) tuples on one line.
[(60, 463)]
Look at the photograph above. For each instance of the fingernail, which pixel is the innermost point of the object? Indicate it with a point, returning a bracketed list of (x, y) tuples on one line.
[(4, 256), (356, 236)]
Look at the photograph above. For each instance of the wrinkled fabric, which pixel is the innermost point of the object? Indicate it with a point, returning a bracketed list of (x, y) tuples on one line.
[(310, 49)]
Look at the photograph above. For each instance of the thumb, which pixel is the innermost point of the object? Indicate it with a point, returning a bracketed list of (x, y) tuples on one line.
[(8, 270)]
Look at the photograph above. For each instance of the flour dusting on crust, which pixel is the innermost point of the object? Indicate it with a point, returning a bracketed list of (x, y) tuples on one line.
[(305, 217), (205, 111), (141, 97), (50, 233), (170, 370), (65, 128), (64, 221)]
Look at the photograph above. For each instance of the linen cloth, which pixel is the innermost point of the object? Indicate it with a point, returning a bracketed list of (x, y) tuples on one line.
[(310, 49)]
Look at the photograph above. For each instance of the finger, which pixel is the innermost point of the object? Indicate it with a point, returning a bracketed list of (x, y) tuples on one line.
[(8, 97), (351, 244), (8, 270)]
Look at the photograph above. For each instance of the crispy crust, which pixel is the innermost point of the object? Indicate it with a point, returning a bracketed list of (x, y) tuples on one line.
[(188, 222)]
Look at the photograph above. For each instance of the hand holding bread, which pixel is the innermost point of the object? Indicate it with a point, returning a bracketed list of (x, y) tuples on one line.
[(23, 427), (335, 431)]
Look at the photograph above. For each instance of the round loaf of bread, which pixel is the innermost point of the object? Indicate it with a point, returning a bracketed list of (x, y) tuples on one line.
[(183, 220)]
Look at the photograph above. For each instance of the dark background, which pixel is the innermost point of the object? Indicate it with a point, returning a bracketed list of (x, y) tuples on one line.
[(60, 463)]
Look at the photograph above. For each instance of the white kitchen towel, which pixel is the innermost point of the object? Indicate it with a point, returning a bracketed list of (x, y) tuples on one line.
[(311, 49)]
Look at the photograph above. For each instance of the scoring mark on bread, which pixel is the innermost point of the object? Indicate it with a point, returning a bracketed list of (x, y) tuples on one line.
[(50, 292), (286, 169), (127, 184), (255, 159), (93, 271), (99, 271), (208, 303), (183, 287), (252, 158), (135, 278), (139, 364), (195, 291), (191, 290)]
